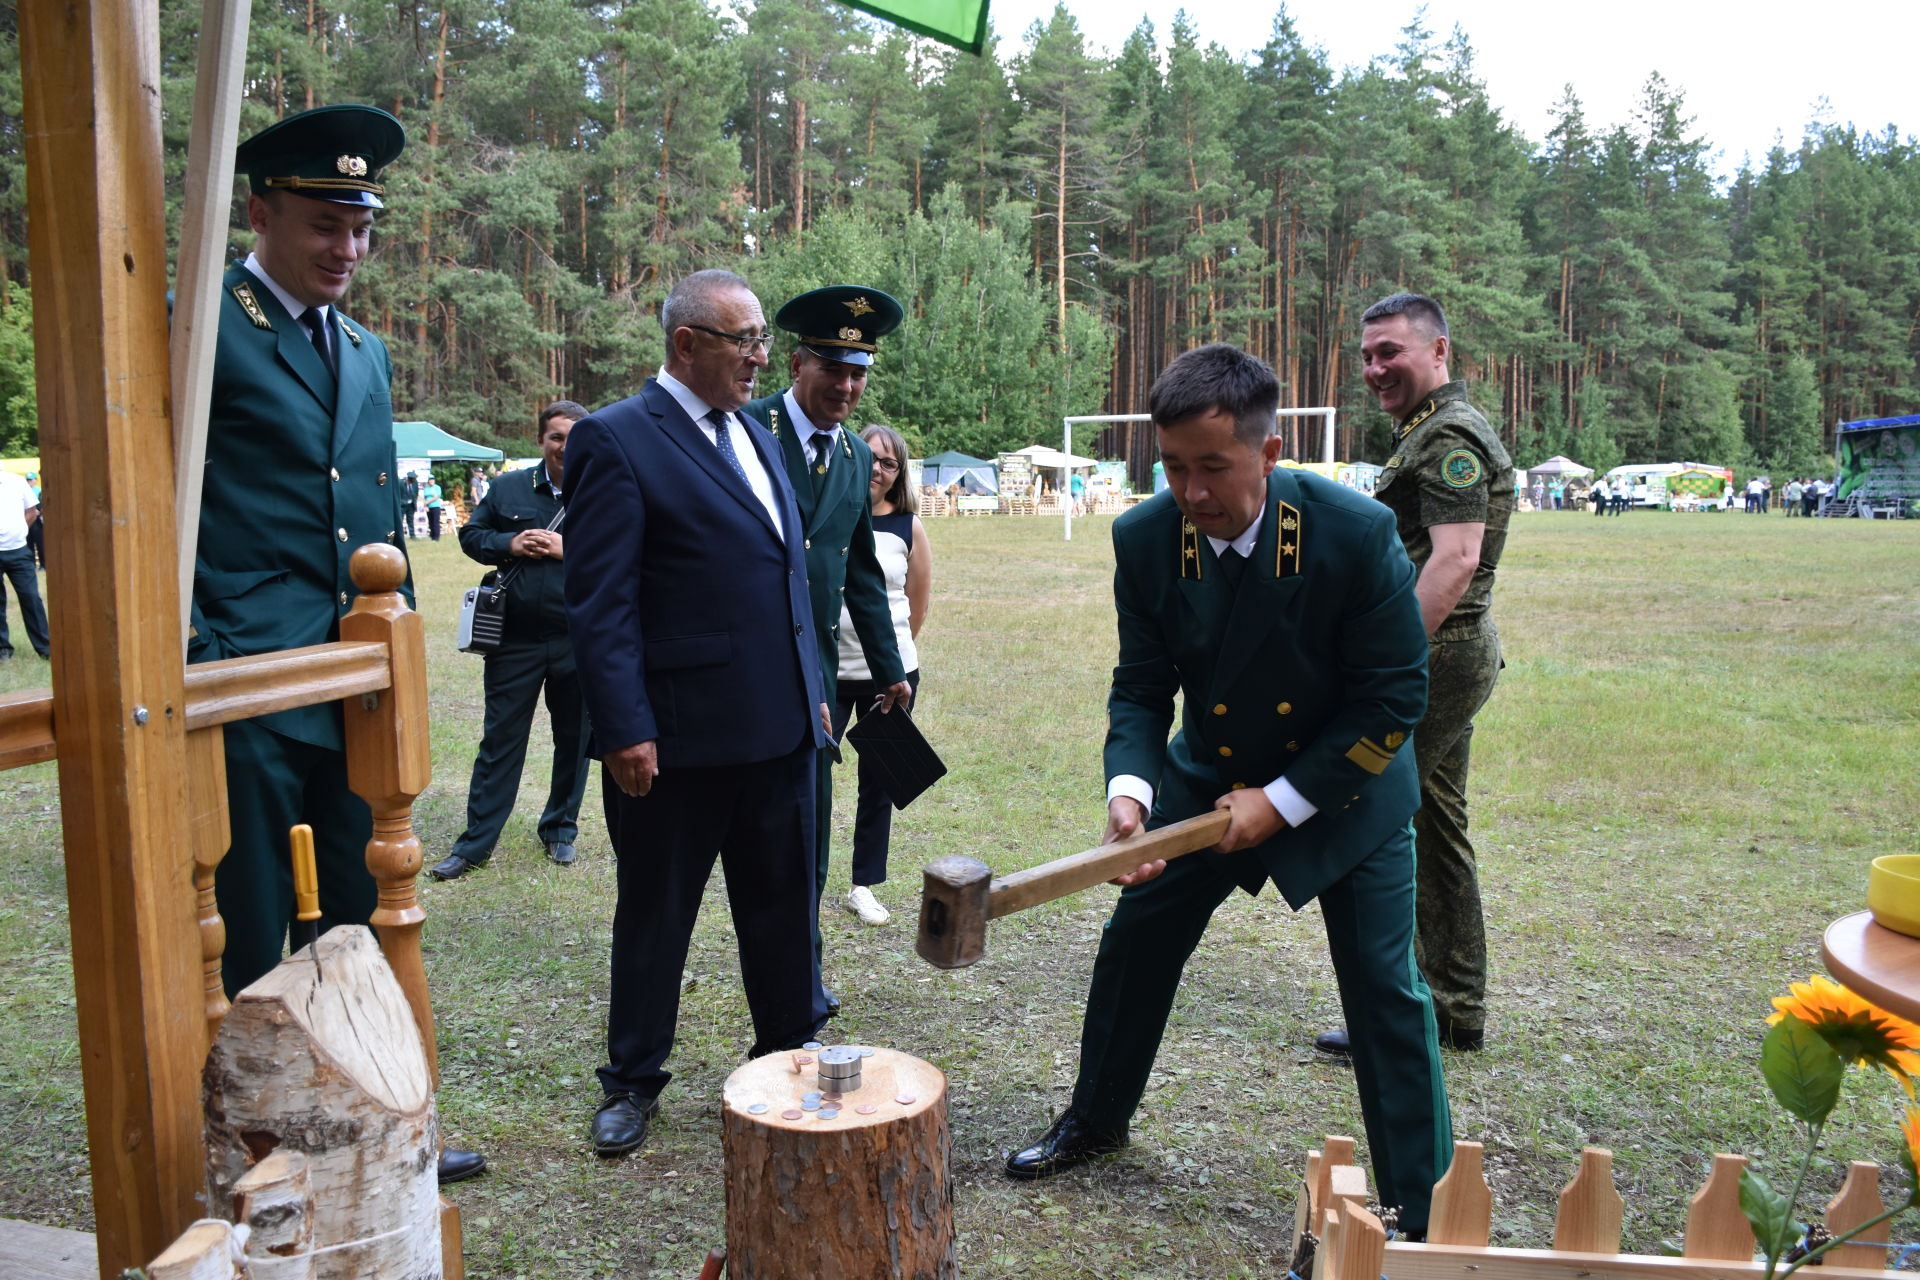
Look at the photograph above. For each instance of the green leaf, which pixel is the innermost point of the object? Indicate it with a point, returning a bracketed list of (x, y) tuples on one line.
[(1802, 1070), (1770, 1213)]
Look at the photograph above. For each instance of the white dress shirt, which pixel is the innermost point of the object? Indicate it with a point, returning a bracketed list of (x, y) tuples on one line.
[(1285, 798), (807, 431), (294, 306), (757, 478)]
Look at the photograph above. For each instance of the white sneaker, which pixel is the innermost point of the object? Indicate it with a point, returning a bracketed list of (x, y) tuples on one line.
[(863, 904)]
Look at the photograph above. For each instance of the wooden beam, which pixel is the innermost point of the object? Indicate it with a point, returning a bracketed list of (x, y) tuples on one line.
[(90, 80)]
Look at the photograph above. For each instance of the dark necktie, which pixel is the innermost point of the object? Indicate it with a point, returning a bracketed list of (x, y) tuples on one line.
[(1233, 566), (822, 445), (317, 330), (723, 441)]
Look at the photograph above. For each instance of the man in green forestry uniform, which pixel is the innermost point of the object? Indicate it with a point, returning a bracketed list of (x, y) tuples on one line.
[(829, 467), (300, 472), (1281, 606), (1450, 485)]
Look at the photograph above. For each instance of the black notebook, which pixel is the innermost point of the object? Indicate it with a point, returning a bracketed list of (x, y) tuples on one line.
[(892, 744)]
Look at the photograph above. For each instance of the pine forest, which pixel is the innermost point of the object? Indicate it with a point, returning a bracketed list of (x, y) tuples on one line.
[(1060, 224)]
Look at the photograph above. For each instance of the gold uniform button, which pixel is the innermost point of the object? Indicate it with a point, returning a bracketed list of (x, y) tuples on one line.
[(843, 551), (343, 599), (335, 473), (1285, 708), (390, 533), (381, 479), (1226, 751), (1293, 746), (342, 533), (808, 545), (1239, 786), (1219, 708)]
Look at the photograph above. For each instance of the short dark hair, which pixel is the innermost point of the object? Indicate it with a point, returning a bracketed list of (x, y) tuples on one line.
[(559, 409), (1421, 309), (1218, 376), (900, 493)]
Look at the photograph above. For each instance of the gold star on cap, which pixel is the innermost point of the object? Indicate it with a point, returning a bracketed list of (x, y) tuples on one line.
[(859, 306)]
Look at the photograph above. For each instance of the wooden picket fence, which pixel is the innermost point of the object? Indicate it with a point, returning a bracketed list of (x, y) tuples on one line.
[(1353, 1244)]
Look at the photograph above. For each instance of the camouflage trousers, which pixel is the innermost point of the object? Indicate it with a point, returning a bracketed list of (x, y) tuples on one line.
[(1451, 937)]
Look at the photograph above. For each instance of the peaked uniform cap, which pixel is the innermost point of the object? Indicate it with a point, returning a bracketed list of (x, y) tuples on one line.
[(842, 321), (331, 153)]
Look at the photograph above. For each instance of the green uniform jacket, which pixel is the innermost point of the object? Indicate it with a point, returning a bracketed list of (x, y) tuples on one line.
[(841, 564), (1315, 669), (297, 479)]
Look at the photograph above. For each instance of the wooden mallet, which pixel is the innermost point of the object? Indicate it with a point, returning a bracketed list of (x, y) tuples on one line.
[(958, 894)]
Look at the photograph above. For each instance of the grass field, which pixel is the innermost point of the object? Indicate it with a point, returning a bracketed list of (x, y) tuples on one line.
[(1706, 729)]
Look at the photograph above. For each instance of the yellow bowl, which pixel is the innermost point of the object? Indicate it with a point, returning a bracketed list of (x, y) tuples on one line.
[(1893, 892)]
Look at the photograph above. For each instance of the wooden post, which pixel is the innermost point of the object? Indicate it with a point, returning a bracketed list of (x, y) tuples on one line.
[(1857, 1201), (1716, 1228), (858, 1189), (389, 762), (1590, 1209), (212, 836), (322, 1056), (90, 81), (1462, 1202)]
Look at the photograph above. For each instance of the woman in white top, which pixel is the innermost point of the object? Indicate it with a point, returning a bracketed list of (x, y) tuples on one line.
[(900, 541)]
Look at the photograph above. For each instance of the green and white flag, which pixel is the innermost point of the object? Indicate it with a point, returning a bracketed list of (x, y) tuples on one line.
[(960, 23)]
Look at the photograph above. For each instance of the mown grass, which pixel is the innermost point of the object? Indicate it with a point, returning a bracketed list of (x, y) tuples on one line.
[(1705, 731)]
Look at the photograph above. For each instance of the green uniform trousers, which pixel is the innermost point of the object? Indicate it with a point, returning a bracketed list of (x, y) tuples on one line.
[(1451, 944), (1396, 1054), (274, 782)]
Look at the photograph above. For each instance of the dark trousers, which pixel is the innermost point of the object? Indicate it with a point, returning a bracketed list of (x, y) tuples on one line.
[(1451, 944), (406, 518), (1396, 1055), (17, 567), (872, 811), (513, 679), (433, 523), (37, 541), (273, 783), (758, 819)]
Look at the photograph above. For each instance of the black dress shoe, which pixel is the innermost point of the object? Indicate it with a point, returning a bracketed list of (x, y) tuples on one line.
[(452, 867), (620, 1124), (1463, 1039), (561, 852), (1068, 1142), (1334, 1042), (833, 1001), (458, 1166)]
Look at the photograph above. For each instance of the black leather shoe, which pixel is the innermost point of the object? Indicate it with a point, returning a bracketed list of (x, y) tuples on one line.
[(458, 1166), (1463, 1039), (1334, 1042), (1068, 1142), (451, 867), (620, 1124), (833, 1001), (561, 852)]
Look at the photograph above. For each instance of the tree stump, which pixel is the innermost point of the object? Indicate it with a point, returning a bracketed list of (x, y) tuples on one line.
[(329, 1063), (857, 1189)]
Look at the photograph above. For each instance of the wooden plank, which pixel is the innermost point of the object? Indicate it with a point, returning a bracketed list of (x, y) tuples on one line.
[(97, 251), (1462, 1202), (26, 728), (1449, 1262), (214, 131), (1858, 1201), (1716, 1228), (1590, 1209), (29, 1251)]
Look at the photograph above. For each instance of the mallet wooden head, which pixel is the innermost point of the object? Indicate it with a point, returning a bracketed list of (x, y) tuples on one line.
[(953, 912)]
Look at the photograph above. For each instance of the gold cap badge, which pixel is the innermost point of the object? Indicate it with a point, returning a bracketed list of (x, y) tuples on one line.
[(352, 166), (860, 307)]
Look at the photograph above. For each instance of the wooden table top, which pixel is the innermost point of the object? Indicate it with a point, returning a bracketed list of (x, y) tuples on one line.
[(1875, 962)]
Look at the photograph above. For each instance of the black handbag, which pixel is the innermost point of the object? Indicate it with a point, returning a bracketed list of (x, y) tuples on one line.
[(483, 610)]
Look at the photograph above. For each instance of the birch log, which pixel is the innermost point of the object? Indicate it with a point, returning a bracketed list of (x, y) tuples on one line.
[(329, 1063), (863, 1193)]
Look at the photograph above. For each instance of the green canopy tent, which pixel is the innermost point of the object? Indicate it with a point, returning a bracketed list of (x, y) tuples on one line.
[(415, 441), (960, 23)]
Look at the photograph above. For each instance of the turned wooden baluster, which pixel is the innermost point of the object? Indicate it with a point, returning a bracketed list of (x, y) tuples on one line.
[(388, 764), (211, 836)]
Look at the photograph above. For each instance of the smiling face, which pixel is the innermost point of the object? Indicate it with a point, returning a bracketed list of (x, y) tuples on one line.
[(1218, 480), (886, 468), (828, 391), (714, 368), (311, 248), (1403, 362), (553, 446)]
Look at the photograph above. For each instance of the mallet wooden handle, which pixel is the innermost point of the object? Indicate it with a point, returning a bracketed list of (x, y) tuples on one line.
[(1098, 865), (959, 895)]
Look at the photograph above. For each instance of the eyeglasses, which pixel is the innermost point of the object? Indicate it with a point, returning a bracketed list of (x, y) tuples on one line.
[(887, 465), (745, 341)]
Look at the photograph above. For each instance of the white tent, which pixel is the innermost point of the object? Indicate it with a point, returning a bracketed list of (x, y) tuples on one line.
[(1559, 465), (1052, 459)]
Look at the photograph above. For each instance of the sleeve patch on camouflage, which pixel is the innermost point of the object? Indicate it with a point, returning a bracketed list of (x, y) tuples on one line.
[(1461, 469)]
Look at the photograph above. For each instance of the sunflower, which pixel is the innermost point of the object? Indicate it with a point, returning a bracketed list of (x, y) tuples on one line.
[(1910, 1130), (1863, 1034)]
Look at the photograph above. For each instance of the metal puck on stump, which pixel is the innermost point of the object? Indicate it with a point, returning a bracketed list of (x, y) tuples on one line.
[(820, 1188)]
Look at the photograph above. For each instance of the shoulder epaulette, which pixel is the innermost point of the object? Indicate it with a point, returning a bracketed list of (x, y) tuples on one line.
[(1418, 418), (1286, 546), (1189, 551), (352, 335)]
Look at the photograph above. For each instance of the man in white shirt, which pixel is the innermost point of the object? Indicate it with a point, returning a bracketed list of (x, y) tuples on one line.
[(19, 511)]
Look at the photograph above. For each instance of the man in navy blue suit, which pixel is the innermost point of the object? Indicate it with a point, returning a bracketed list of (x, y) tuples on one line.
[(687, 601)]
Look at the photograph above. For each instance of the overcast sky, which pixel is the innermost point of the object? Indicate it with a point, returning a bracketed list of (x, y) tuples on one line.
[(1748, 73)]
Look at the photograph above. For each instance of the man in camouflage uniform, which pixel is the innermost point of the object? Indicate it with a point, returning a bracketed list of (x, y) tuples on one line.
[(1450, 485)]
